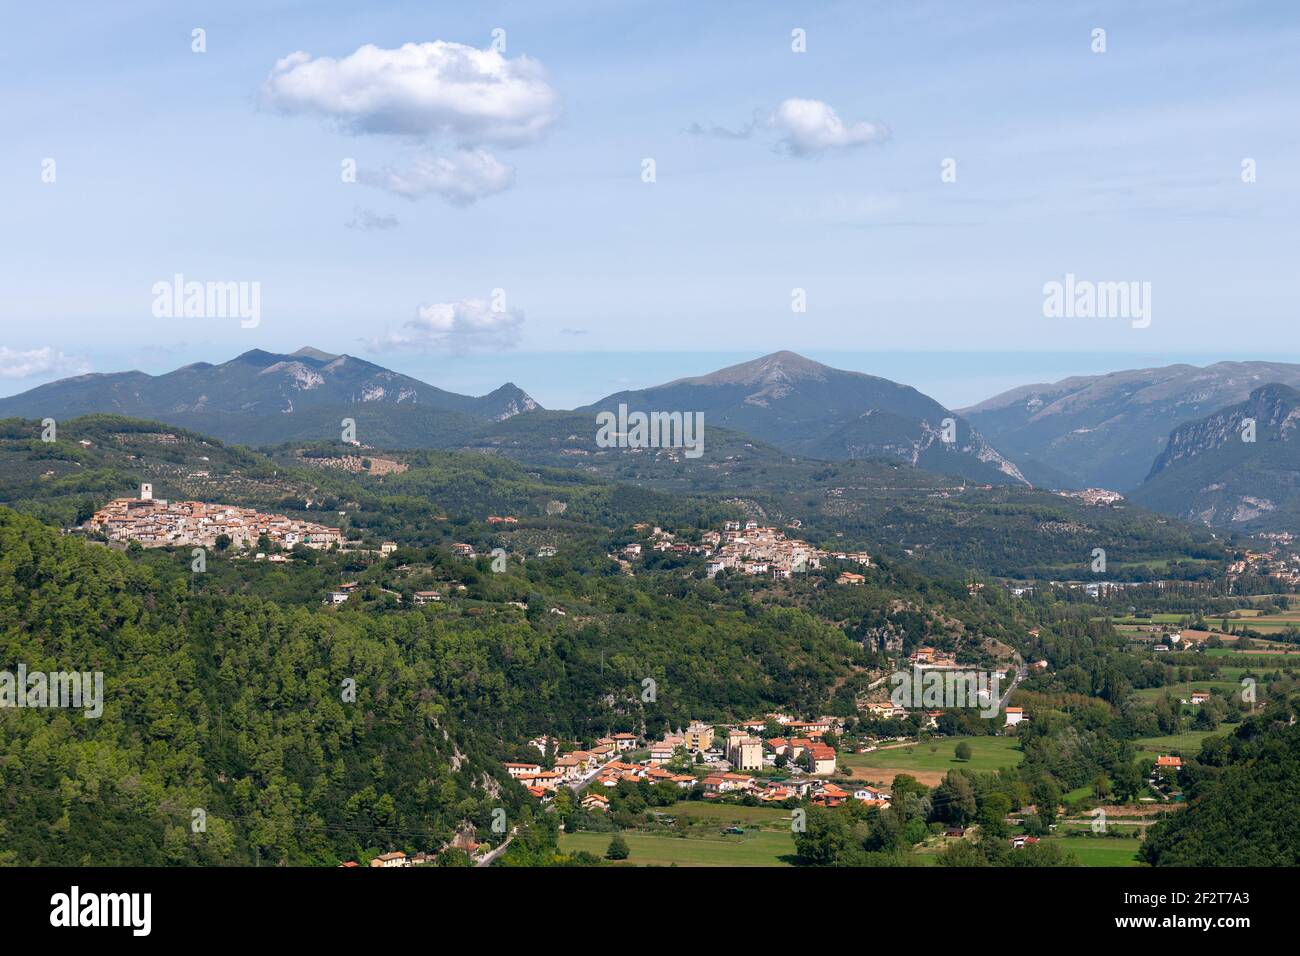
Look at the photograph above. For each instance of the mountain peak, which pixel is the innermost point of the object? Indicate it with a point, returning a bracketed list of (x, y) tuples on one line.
[(783, 366), (313, 353)]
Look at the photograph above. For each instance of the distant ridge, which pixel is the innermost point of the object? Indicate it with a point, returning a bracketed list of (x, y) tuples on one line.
[(1106, 430), (261, 397), (817, 411)]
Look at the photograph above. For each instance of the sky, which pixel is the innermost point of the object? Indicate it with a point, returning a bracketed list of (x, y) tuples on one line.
[(587, 196)]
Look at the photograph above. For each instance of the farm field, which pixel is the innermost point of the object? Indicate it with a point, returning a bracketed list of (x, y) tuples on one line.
[(928, 762), (1102, 851), (1188, 744), (1181, 692), (761, 848), (727, 814)]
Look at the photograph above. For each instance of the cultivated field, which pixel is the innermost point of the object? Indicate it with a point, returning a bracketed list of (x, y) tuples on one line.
[(1188, 744), (759, 848), (1102, 851), (928, 762)]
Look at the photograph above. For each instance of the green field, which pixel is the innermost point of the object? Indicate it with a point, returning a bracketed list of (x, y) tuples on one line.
[(1101, 851), (1180, 691), (1188, 744), (727, 814), (1153, 619), (760, 848), (987, 753)]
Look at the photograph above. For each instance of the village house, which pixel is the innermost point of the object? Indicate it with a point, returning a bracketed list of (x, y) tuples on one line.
[(830, 796), (871, 795), (743, 751), (699, 736), (517, 770), (545, 781), (821, 760)]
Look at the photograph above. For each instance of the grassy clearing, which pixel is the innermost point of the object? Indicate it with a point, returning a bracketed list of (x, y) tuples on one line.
[(725, 815), (987, 753), (1188, 744), (760, 848)]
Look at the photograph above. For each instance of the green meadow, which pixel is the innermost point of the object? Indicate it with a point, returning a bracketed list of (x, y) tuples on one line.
[(987, 753), (759, 848)]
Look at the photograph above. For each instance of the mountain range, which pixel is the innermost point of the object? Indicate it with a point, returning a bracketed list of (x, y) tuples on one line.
[(260, 398), (1239, 467), (1162, 436), (1106, 430)]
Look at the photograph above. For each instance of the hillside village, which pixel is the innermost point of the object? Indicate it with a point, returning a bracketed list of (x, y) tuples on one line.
[(157, 523)]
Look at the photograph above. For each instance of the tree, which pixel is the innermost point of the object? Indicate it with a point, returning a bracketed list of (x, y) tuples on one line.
[(1101, 786), (993, 814), (618, 848), (954, 799), (962, 751), (827, 838), (1127, 781)]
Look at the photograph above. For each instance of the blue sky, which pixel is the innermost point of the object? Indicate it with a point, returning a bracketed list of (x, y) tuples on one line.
[(222, 166)]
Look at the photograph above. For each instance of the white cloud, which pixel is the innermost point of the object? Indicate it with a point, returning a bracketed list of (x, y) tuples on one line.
[(368, 221), (463, 326), (812, 127), (460, 178), (42, 361), (428, 90)]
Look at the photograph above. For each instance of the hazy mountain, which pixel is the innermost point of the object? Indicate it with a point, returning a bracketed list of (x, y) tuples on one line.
[(1106, 430), (261, 397), (813, 410), (1209, 473)]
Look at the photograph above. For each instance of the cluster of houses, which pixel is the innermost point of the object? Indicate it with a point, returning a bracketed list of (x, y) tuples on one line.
[(1277, 563), (157, 523), (723, 760), (756, 550), (463, 840), (1097, 497), (748, 548)]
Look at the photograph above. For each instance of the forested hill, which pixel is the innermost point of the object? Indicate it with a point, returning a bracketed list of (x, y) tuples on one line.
[(1242, 804), (232, 704)]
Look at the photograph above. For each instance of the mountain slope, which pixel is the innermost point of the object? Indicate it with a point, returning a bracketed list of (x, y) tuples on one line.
[(1105, 430), (1208, 473), (260, 397), (811, 409)]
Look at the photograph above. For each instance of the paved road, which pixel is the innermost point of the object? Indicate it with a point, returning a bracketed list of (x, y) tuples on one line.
[(578, 786), (1021, 673), (489, 858)]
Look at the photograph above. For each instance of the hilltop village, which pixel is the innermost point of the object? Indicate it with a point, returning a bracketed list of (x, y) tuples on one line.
[(157, 523), (746, 548)]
